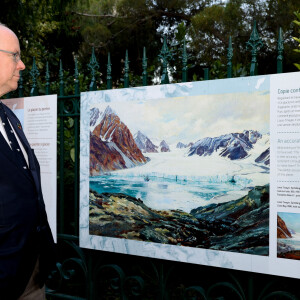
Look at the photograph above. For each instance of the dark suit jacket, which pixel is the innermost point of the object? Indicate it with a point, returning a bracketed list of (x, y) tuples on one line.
[(24, 229)]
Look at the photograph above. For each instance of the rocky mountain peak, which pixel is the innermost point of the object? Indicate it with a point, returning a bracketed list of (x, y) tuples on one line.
[(112, 145), (94, 116), (164, 147), (109, 111), (180, 145), (252, 135), (140, 135), (144, 143), (232, 145)]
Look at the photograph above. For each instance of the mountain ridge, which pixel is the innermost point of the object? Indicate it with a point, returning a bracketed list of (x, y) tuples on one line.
[(112, 146), (232, 145)]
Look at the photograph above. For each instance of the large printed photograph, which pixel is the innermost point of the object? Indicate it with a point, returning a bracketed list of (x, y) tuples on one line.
[(186, 171)]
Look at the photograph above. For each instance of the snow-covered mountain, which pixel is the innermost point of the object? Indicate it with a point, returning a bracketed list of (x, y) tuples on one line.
[(95, 116), (148, 145), (180, 145), (164, 147), (233, 146), (260, 153), (252, 135), (112, 145), (144, 143), (264, 158)]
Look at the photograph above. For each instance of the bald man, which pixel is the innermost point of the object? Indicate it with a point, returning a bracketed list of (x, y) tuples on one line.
[(27, 249)]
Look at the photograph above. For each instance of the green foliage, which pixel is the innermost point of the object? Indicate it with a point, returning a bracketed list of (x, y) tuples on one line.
[(54, 29), (239, 70), (68, 167), (180, 34), (297, 22), (32, 21), (210, 30), (114, 26), (217, 70)]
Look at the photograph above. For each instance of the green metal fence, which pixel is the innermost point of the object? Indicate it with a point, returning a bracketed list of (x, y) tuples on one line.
[(89, 274)]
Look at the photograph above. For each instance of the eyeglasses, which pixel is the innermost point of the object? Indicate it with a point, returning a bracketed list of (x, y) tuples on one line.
[(16, 55)]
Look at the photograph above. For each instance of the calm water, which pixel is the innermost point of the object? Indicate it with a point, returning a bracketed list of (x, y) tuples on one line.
[(165, 193)]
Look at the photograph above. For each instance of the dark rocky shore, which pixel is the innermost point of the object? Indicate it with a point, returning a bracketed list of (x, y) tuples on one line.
[(240, 225), (290, 254)]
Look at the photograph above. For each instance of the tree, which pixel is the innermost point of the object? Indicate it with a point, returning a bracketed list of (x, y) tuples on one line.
[(53, 29), (297, 22), (210, 30), (114, 26)]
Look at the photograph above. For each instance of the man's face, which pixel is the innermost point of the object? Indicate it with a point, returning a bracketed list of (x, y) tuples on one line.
[(9, 68)]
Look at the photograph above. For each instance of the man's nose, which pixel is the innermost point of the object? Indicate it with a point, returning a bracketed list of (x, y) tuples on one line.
[(21, 65)]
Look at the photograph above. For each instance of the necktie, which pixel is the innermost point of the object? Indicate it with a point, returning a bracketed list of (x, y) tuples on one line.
[(12, 138)]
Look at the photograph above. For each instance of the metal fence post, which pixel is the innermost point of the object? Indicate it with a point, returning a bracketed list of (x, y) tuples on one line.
[(62, 158), (184, 63), (34, 74), (93, 66), (280, 49), (126, 71), (108, 72), (206, 73), (20, 85), (144, 66), (229, 58), (76, 80), (165, 55), (61, 79), (47, 77), (255, 43)]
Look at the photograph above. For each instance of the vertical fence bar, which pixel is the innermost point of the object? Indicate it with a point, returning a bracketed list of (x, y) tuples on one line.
[(108, 72), (62, 150), (90, 278), (165, 55), (76, 105), (61, 79), (20, 85), (161, 279), (34, 74), (61, 167), (47, 86), (229, 58), (255, 43), (93, 66), (76, 78), (76, 165), (280, 49), (250, 287), (144, 66), (206, 73), (162, 274), (184, 63), (126, 71)]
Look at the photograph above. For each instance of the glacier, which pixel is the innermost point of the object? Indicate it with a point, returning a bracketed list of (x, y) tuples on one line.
[(174, 180)]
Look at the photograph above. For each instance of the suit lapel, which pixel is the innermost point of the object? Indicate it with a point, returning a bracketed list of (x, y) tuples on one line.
[(18, 129), (4, 147)]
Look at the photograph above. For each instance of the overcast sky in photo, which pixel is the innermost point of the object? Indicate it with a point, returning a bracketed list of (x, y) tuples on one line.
[(188, 119)]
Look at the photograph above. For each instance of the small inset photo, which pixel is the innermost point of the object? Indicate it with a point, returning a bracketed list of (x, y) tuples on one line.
[(288, 235)]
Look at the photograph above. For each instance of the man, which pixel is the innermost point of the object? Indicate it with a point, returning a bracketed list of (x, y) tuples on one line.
[(26, 242)]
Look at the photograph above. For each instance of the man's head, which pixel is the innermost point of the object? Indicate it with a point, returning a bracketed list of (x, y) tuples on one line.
[(10, 66)]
